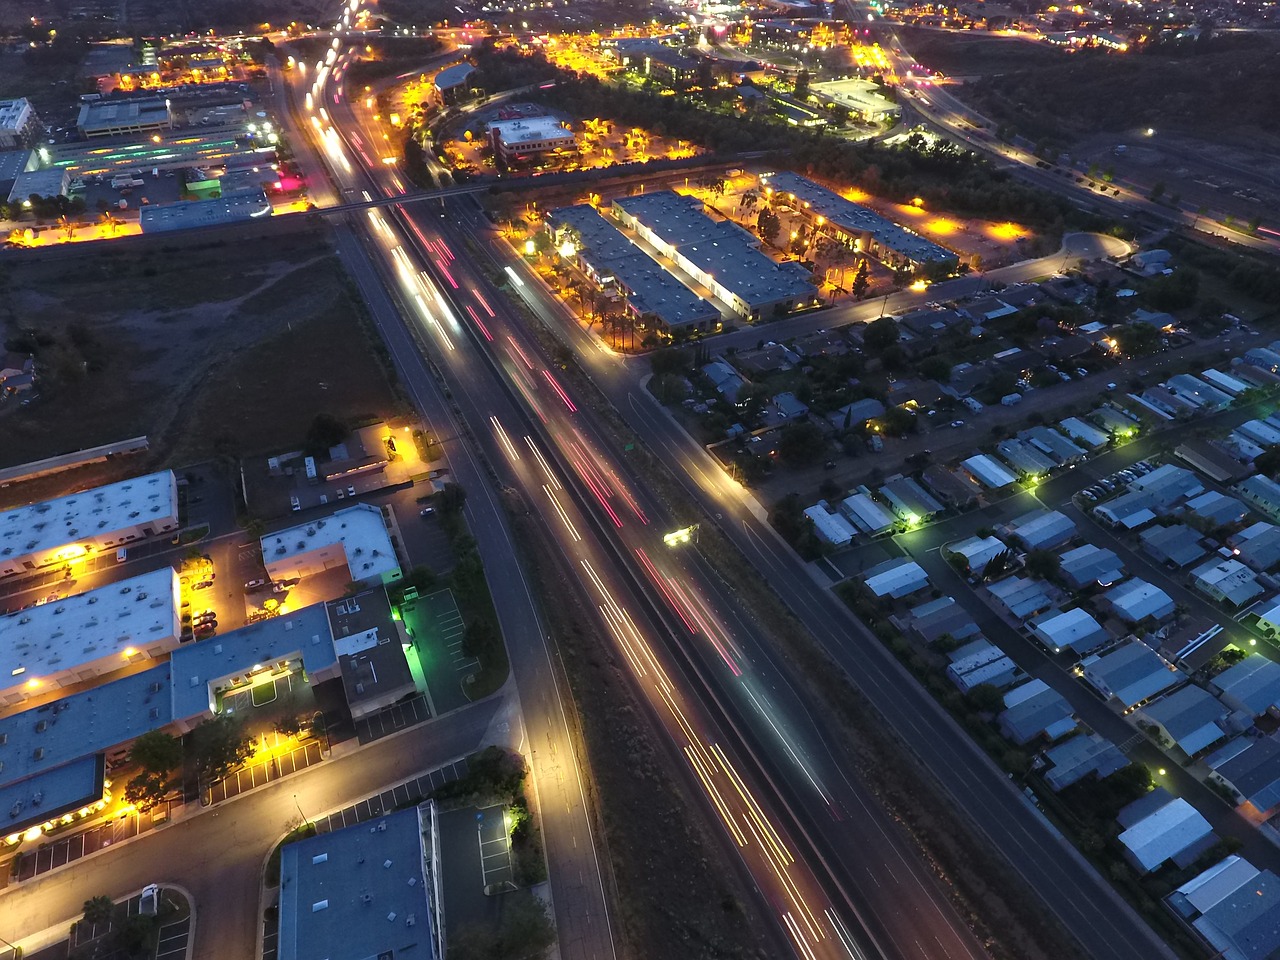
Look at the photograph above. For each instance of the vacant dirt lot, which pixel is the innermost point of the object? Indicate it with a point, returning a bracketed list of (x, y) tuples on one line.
[(227, 345)]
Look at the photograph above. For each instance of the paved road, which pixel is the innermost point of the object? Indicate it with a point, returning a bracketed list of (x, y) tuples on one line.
[(1088, 907), (577, 882), (218, 855)]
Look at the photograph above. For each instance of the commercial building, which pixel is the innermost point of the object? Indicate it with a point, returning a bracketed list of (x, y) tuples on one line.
[(1175, 546), (1228, 581), (1040, 530), (1251, 686), (54, 758), (452, 83), (370, 645), (19, 126), (856, 226), (355, 537), (368, 890), (194, 214), (1192, 719), (1082, 755), (205, 673), (529, 137), (1130, 674), (1136, 600), (53, 182), (64, 530), (988, 471), (1035, 710), (623, 271), (1160, 828), (718, 254), (115, 118), (896, 579), (1087, 565), (1073, 630), (1252, 773), (88, 635), (861, 98)]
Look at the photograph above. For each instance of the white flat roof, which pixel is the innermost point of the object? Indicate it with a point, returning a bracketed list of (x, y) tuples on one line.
[(515, 132), (59, 636), (360, 530), (97, 513)]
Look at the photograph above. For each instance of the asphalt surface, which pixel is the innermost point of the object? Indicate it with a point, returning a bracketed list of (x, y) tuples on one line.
[(577, 881), (1105, 925), (218, 855)]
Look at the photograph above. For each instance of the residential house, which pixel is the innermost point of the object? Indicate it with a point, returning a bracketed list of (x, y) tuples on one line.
[(1114, 422), (1035, 710), (1150, 262), (1228, 581), (977, 552), (987, 471), (1207, 398), (771, 358), (1083, 433), (1256, 373), (1175, 546), (1205, 890), (1086, 565), (1053, 444), (1213, 460), (853, 415), (1074, 630), (1130, 674), (1021, 597), (17, 375), (1153, 318), (1262, 357), (1158, 491), (787, 407), (1160, 828), (1024, 459), (1136, 601), (831, 528), (982, 663), (1040, 530), (896, 579), (1262, 493), (727, 381), (909, 501), (1165, 401), (1260, 432), (1192, 719), (955, 488), (1269, 617), (1228, 384), (930, 322), (1251, 686), (938, 618), (867, 515), (1082, 755), (1257, 546), (1216, 508), (1252, 773), (1243, 925)]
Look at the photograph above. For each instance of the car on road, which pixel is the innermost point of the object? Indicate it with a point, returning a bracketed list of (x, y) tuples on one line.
[(255, 583), (957, 423)]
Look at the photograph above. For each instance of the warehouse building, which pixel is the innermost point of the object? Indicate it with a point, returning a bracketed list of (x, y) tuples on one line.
[(857, 226), (116, 118), (718, 254), (517, 141), (194, 214), (67, 529), (355, 537)]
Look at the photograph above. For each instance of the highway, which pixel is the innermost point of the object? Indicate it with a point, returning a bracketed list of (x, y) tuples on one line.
[(818, 847), (577, 879), (1087, 906)]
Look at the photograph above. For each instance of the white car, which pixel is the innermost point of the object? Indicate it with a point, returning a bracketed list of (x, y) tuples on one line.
[(294, 505)]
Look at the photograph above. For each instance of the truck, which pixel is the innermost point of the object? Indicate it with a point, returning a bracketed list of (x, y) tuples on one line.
[(972, 404), (127, 180), (1011, 399)]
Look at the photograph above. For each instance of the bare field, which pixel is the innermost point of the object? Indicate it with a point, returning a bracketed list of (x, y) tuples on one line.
[(225, 346)]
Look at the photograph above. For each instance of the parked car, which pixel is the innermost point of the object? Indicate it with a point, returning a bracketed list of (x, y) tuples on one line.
[(1081, 372), (294, 505), (1064, 376), (202, 585), (957, 423), (427, 512), (255, 583), (351, 491), (279, 587), (206, 629)]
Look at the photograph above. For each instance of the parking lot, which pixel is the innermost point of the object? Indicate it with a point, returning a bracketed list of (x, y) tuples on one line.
[(263, 772), (396, 717), (436, 626)]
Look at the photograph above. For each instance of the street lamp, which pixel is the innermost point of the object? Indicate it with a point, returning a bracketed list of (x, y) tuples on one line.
[(300, 813)]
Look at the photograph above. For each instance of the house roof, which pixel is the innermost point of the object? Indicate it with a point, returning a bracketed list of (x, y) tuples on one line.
[(1021, 596), (1041, 529), (1080, 756), (1178, 544), (1207, 889), (1033, 709), (1255, 772), (1074, 630), (1164, 834), (1090, 563), (896, 578), (1191, 716), (1253, 684), (1136, 599), (1131, 673), (1245, 925), (989, 471)]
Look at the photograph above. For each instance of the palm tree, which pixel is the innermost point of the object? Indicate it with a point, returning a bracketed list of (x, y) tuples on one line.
[(110, 221), (67, 226)]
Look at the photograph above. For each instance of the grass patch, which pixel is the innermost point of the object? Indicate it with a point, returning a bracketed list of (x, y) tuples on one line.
[(300, 832)]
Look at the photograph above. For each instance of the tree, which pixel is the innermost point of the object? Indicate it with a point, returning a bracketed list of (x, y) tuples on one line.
[(881, 334), (147, 790), (1042, 564), (1157, 190), (156, 752), (1268, 462), (452, 498), (936, 368), (325, 431), (677, 362), (523, 932), (99, 910), (861, 279), (986, 698), (801, 88), (219, 746), (801, 443), (768, 225)]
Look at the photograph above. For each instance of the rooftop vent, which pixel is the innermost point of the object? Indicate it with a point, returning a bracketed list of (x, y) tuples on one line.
[(319, 905), (320, 858)]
